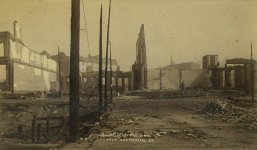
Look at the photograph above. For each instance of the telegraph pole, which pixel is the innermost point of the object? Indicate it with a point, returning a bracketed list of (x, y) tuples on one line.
[(59, 73), (252, 72), (74, 70), (110, 72), (160, 78), (106, 61), (100, 79)]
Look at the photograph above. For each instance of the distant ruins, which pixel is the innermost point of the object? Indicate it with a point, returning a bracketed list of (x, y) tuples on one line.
[(236, 75), (88, 67), (23, 69), (139, 68)]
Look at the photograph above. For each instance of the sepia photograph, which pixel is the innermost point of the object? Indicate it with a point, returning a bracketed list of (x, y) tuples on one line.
[(128, 74)]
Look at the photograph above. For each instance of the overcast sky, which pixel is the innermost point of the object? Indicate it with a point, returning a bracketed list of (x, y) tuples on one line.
[(187, 29)]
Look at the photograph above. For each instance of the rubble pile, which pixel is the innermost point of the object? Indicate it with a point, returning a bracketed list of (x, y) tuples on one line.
[(222, 110), (189, 132), (229, 112)]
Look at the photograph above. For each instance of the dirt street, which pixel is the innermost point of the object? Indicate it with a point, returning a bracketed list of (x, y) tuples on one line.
[(136, 123)]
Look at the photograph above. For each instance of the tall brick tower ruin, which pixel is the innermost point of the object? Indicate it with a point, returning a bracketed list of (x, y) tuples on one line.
[(139, 68)]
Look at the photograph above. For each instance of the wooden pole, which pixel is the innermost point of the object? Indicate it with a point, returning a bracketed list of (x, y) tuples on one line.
[(160, 78), (74, 70), (100, 107), (59, 72), (106, 62), (33, 128), (252, 73), (110, 72)]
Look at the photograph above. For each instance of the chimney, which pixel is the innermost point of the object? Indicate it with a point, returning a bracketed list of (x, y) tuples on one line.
[(16, 29)]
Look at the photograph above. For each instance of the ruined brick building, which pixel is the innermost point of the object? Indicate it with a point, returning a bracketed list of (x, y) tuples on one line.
[(88, 66), (236, 75), (24, 69)]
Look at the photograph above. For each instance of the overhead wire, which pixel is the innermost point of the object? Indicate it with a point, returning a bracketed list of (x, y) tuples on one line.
[(85, 23)]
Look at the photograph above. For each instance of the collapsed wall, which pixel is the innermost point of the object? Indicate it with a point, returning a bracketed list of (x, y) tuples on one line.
[(139, 68)]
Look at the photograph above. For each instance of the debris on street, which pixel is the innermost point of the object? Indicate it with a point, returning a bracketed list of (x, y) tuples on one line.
[(189, 132), (226, 111)]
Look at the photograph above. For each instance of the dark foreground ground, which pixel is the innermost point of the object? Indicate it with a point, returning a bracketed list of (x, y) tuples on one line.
[(134, 122), (16, 122)]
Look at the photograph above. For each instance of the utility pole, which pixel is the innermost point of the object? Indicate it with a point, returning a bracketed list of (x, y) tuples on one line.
[(252, 73), (100, 78), (59, 73), (74, 70), (106, 61), (110, 72), (160, 78)]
